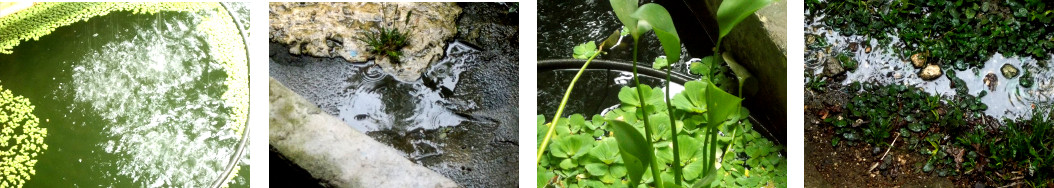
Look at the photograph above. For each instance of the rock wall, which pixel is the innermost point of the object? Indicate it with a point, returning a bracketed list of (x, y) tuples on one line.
[(334, 152), (334, 30)]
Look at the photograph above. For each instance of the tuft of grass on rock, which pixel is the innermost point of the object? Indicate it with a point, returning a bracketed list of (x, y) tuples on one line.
[(386, 41)]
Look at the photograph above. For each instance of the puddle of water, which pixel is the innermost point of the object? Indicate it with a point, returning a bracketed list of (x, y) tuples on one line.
[(426, 119), (130, 101), (884, 65), (370, 100)]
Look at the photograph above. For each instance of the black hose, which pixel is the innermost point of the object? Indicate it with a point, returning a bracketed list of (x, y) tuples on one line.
[(554, 64), (240, 151)]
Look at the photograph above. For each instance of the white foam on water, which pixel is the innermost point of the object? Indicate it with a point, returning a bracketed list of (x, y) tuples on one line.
[(165, 129)]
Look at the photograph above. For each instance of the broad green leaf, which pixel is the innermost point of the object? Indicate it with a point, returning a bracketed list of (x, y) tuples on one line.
[(568, 164), (608, 178), (689, 148), (707, 180), (544, 177), (635, 150), (562, 128), (660, 63), (606, 150), (585, 50), (692, 99), (720, 105), (577, 122), (742, 74), (571, 146), (628, 96), (596, 121), (591, 183), (693, 121), (623, 10), (663, 153), (656, 17), (660, 123), (618, 171), (704, 66), (731, 12), (693, 170), (597, 169)]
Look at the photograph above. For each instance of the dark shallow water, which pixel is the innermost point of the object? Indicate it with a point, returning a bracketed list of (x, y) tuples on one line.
[(459, 119), (128, 101)]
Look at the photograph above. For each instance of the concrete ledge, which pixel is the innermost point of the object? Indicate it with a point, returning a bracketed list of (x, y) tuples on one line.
[(334, 152)]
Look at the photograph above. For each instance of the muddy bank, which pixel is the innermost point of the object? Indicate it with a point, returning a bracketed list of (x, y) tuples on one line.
[(846, 165)]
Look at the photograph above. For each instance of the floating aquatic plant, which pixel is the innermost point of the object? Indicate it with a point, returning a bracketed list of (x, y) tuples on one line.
[(224, 41), (21, 139), (703, 110)]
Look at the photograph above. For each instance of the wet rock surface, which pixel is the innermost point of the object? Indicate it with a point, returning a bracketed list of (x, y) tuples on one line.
[(335, 153), (459, 118), (336, 30), (833, 68), (487, 92)]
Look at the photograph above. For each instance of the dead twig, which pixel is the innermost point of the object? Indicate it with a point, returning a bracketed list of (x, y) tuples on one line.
[(884, 154)]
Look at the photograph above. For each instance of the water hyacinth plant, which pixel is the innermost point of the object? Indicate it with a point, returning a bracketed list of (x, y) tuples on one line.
[(651, 139)]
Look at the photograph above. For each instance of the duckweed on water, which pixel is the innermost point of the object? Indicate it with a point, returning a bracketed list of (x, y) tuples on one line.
[(224, 40), (964, 32), (21, 139)]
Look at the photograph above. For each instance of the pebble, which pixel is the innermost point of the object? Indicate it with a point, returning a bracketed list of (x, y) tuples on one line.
[(1009, 71), (991, 81), (932, 71), (918, 60)]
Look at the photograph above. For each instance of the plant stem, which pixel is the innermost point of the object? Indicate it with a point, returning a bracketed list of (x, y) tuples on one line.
[(673, 133), (644, 111), (563, 103)]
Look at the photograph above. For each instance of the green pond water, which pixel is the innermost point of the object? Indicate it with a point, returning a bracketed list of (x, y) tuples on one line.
[(128, 100)]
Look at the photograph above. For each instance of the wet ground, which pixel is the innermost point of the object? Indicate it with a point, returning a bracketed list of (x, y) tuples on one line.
[(459, 119), (129, 101), (849, 165)]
